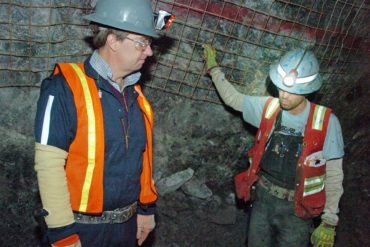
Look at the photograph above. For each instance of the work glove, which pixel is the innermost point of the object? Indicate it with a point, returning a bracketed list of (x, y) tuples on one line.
[(145, 224), (209, 54), (70, 241), (323, 235)]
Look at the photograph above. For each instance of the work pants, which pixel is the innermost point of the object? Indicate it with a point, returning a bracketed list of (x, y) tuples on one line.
[(109, 235), (274, 224)]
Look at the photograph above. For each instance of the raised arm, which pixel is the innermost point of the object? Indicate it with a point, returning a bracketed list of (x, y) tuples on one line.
[(228, 93)]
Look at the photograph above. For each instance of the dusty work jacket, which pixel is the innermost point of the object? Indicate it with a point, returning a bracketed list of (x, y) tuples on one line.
[(309, 197), (85, 162)]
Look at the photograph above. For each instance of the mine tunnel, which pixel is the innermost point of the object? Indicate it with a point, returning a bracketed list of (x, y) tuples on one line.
[(199, 143)]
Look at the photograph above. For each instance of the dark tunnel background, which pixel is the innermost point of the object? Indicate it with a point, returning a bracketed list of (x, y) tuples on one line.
[(199, 144)]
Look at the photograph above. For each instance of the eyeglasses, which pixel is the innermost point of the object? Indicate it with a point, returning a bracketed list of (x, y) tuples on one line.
[(141, 44)]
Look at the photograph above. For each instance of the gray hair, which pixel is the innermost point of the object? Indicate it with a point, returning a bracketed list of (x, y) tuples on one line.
[(101, 34)]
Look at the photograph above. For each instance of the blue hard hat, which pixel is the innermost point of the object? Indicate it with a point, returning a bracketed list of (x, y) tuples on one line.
[(297, 72)]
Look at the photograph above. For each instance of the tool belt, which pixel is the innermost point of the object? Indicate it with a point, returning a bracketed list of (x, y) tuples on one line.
[(275, 190), (116, 216)]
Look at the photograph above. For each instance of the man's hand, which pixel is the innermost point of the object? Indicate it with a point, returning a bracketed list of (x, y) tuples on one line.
[(323, 235), (145, 224), (210, 56)]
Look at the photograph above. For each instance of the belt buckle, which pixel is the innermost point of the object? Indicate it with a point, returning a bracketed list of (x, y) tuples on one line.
[(277, 191), (125, 215), (120, 215), (113, 217)]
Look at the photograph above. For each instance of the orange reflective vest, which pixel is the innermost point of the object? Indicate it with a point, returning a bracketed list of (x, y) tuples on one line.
[(85, 161), (309, 197)]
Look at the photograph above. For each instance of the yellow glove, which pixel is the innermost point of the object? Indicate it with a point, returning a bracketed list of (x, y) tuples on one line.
[(145, 224), (323, 235), (210, 56)]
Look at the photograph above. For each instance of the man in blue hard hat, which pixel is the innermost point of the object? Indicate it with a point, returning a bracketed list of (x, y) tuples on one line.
[(296, 161), (93, 130)]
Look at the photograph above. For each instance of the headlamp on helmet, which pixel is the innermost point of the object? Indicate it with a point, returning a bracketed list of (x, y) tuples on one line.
[(163, 20), (291, 78)]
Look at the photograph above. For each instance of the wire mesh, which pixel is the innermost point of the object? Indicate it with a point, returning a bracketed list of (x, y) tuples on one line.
[(37, 34), (248, 37)]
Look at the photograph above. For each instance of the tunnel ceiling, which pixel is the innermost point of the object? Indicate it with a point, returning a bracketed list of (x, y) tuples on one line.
[(248, 36)]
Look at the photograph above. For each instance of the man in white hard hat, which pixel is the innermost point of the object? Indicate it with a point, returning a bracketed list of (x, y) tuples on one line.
[(296, 162), (93, 130)]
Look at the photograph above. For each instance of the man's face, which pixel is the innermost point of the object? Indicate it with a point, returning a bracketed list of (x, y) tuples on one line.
[(293, 103), (132, 52)]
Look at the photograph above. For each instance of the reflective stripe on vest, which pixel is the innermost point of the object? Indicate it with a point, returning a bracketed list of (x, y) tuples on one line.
[(313, 185), (271, 108), (318, 117), (91, 139)]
